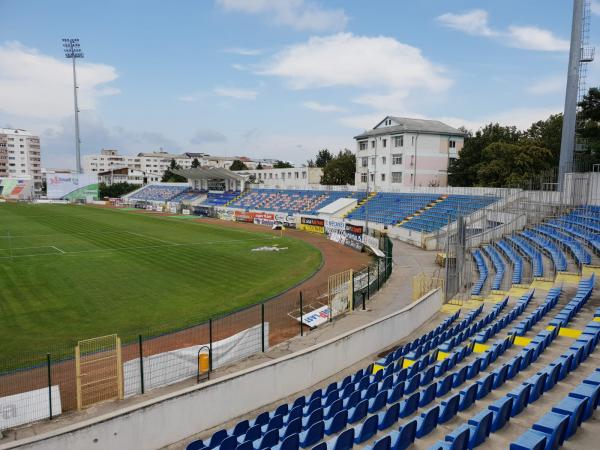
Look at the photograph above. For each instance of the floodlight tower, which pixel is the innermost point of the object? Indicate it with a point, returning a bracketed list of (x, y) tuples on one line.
[(73, 51), (579, 55)]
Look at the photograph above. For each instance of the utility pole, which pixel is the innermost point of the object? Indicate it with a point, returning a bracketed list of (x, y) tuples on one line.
[(73, 51)]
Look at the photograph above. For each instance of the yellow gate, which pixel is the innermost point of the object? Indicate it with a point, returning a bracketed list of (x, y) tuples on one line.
[(340, 290), (424, 283), (99, 370)]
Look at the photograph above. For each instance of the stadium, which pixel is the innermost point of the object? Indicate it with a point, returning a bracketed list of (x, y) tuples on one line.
[(279, 308)]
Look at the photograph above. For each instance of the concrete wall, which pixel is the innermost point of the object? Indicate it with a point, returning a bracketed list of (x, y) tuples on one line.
[(170, 418)]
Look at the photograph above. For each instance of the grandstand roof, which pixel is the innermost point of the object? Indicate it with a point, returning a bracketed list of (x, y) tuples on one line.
[(408, 125), (208, 173)]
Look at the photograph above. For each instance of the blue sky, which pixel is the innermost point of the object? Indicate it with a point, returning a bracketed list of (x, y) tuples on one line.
[(276, 78)]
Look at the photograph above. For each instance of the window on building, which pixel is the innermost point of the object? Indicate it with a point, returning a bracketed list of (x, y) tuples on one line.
[(363, 177), (412, 141), (362, 145), (383, 177), (399, 141), (372, 144), (396, 177), (383, 160), (372, 177), (304, 175), (384, 142), (452, 143), (372, 160), (364, 161), (397, 159)]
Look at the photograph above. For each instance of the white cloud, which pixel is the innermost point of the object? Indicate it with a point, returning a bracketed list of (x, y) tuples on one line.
[(237, 93), (322, 107), (473, 22), (244, 51), (533, 38), (40, 86), (344, 59), (298, 14), (595, 8), (547, 86)]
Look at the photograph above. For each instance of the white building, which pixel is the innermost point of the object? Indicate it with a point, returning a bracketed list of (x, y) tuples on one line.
[(292, 178), (20, 156), (402, 152), (154, 162), (127, 175)]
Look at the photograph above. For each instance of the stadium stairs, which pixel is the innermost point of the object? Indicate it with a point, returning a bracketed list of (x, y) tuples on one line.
[(361, 202), (421, 210)]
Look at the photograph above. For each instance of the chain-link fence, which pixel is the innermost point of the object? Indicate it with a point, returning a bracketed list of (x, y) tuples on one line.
[(39, 386)]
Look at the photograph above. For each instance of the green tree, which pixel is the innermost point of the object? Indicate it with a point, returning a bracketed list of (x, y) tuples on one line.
[(116, 190), (195, 163), (323, 157), (170, 177), (340, 169), (464, 170), (508, 164), (238, 165), (589, 128), (547, 134), (282, 165)]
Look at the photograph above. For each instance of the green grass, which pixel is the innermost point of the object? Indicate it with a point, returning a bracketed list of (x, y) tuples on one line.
[(73, 272)]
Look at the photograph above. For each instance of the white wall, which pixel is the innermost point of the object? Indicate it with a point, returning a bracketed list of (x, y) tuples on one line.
[(173, 417)]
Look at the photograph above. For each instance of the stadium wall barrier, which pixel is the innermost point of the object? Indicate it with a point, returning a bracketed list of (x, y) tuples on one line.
[(170, 418)]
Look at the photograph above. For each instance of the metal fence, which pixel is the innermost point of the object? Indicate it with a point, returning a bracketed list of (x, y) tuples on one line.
[(41, 385)]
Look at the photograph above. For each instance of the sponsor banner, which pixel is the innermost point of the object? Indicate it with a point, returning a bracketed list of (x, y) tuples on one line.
[(242, 216), (225, 214), (264, 218), (353, 243), (356, 230), (312, 228), (265, 222), (312, 221), (185, 212), (370, 241), (335, 226), (72, 186), (167, 368), (149, 207), (29, 406), (173, 210), (316, 317)]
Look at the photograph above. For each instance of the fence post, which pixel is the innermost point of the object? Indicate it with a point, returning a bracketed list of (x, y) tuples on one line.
[(378, 279), (301, 316), (369, 282), (141, 362), (262, 320), (49, 384), (210, 347), (363, 298)]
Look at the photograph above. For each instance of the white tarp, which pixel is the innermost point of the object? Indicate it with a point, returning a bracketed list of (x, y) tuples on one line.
[(167, 368), (28, 407), (338, 206)]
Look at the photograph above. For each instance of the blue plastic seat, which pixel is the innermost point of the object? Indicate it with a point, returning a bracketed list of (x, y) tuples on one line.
[(444, 386), (333, 409), (313, 435), (241, 427), (574, 408), (501, 409), (294, 427), (537, 386), (366, 430), (554, 426), (229, 443), (449, 408), (520, 396), (409, 405), (382, 444), (337, 423), (405, 436), (459, 438), (359, 412), (198, 444), (460, 376), (344, 441), (315, 417), (380, 400), (253, 433), (467, 397), (500, 376), (530, 440), (590, 392), (427, 395), (427, 421), (217, 438), (412, 384), (481, 427), (484, 385), (276, 423), (270, 439), (291, 442), (388, 417), (396, 393)]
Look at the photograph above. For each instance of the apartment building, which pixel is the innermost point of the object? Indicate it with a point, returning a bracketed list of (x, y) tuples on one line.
[(403, 152), (20, 155)]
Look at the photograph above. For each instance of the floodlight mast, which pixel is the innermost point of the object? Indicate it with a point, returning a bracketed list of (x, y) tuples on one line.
[(73, 51)]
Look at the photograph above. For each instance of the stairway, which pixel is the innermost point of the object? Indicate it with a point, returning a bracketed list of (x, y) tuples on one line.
[(417, 213), (369, 196), (235, 199)]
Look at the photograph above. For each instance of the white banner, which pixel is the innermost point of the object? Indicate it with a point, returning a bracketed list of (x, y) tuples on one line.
[(72, 186), (167, 368), (315, 317), (28, 407)]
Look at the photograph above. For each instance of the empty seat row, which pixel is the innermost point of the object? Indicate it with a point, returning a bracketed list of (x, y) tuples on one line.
[(514, 258)]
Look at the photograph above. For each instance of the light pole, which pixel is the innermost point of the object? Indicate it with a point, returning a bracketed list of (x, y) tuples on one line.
[(73, 51)]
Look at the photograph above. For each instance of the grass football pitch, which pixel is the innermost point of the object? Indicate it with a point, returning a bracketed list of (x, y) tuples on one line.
[(71, 272)]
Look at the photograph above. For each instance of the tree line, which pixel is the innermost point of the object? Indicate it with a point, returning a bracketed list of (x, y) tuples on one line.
[(503, 156)]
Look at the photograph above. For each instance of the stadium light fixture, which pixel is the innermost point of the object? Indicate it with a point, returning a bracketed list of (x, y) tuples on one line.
[(73, 50)]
